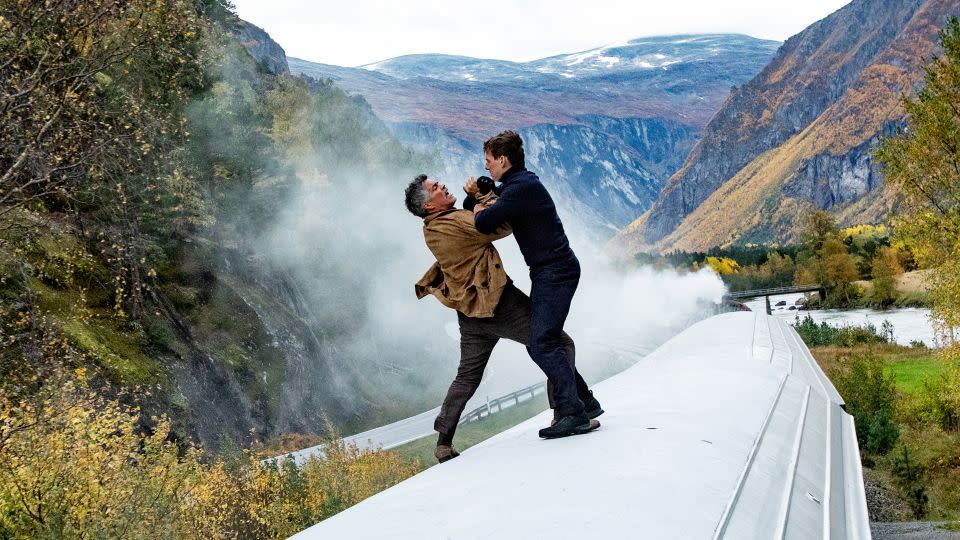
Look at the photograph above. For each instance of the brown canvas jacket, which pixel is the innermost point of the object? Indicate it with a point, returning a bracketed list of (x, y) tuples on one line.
[(468, 275)]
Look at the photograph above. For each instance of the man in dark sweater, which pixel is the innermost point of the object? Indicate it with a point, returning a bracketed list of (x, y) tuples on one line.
[(524, 203)]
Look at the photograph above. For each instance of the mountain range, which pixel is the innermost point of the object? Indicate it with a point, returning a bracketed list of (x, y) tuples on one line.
[(709, 139), (604, 128), (798, 136)]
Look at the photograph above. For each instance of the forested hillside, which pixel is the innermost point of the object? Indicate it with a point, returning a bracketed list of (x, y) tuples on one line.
[(154, 183)]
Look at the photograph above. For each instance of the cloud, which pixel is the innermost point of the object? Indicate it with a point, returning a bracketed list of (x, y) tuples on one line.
[(365, 31)]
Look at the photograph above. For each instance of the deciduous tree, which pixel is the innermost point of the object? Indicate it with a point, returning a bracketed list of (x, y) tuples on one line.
[(885, 268), (922, 167)]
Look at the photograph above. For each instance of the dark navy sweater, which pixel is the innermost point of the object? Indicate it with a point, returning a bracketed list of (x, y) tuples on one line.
[(524, 203)]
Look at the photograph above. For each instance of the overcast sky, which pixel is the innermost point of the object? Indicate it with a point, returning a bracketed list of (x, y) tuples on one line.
[(356, 32)]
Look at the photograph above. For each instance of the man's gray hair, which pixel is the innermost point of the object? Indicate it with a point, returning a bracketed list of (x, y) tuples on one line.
[(416, 196)]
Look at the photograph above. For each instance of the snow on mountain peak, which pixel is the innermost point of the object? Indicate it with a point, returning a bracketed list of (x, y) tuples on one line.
[(608, 60), (643, 54)]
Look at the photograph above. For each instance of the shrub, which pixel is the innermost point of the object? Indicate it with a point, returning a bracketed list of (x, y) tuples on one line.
[(818, 335), (910, 478), (886, 330), (813, 334), (913, 299), (159, 336), (850, 336), (75, 465), (871, 398)]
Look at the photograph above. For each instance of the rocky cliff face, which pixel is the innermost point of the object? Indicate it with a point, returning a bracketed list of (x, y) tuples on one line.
[(798, 135), (599, 172), (828, 181)]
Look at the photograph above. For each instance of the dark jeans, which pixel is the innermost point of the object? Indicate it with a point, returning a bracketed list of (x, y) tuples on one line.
[(478, 336), (551, 292)]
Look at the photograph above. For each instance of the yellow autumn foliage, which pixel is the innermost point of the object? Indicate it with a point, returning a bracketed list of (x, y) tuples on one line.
[(723, 265), (76, 465), (876, 231)]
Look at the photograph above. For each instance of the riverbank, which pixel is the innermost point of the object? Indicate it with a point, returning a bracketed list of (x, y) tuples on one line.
[(909, 325), (912, 290)]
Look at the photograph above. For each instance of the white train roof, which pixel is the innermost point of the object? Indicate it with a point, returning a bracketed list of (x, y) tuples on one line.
[(728, 430)]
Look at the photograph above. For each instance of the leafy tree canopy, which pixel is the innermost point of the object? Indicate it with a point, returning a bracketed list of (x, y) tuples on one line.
[(922, 165)]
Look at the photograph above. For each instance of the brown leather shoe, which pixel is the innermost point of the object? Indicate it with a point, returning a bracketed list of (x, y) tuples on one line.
[(445, 453)]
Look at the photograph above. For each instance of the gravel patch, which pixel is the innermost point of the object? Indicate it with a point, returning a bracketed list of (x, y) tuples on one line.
[(912, 530), (884, 505)]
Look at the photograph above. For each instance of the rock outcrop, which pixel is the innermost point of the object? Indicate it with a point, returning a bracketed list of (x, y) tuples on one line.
[(267, 52)]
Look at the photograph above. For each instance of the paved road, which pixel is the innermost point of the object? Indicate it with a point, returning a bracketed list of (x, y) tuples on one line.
[(390, 435), (410, 429)]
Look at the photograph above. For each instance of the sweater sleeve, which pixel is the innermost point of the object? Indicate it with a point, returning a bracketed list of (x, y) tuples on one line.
[(506, 208), (469, 202)]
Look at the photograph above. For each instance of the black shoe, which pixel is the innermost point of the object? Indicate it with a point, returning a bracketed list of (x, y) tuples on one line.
[(569, 425), (591, 407)]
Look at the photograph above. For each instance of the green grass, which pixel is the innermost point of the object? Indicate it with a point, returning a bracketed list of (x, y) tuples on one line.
[(909, 375), (118, 352), (475, 432)]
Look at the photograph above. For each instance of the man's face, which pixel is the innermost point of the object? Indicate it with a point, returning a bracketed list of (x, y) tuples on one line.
[(438, 198), (497, 166)]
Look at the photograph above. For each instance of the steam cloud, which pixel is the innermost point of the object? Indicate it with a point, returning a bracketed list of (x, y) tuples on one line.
[(358, 252)]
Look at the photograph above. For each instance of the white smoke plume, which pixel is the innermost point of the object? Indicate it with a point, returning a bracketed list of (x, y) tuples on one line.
[(358, 252)]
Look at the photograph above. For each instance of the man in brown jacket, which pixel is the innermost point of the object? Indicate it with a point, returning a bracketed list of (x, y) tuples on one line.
[(468, 276)]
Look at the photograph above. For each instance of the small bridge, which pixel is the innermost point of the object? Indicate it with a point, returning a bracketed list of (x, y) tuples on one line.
[(775, 291)]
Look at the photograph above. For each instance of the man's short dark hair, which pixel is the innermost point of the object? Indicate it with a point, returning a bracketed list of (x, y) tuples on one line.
[(416, 196), (506, 143)]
